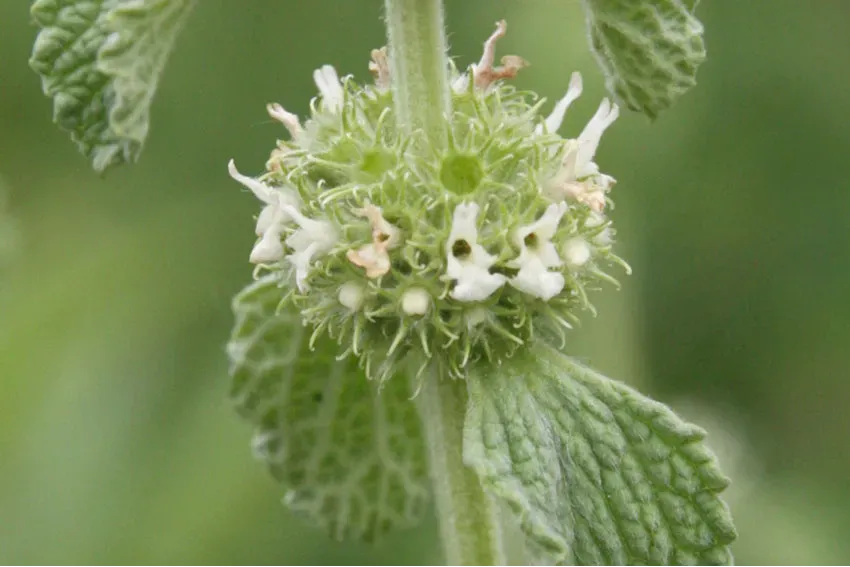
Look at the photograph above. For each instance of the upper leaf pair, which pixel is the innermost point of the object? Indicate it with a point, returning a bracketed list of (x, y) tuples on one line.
[(100, 61)]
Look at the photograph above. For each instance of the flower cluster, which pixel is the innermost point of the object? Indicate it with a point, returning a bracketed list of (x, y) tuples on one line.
[(492, 241)]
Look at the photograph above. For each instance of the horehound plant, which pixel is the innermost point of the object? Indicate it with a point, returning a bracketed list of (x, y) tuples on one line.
[(425, 243)]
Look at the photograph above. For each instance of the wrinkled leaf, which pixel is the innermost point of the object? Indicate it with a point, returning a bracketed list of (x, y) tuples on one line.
[(596, 473), (649, 50), (100, 61), (351, 457)]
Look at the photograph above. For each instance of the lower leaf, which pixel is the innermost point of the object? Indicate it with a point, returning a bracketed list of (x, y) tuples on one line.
[(595, 472), (351, 456)]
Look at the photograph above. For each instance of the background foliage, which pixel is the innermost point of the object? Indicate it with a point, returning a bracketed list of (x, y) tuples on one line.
[(117, 443)]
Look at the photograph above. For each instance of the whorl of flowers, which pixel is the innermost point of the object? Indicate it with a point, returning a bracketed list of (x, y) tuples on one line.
[(464, 254)]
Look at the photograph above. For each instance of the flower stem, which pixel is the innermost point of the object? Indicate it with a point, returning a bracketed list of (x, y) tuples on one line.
[(470, 526), (419, 67)]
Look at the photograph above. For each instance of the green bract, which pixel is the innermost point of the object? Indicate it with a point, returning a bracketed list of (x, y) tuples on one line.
[(461, 255)]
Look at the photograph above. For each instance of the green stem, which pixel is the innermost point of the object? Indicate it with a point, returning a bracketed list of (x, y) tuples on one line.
[(419, 67), (470, 526)]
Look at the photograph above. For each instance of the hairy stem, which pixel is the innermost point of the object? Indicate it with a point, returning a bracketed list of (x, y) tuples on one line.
[(419, 66), (470, 526)]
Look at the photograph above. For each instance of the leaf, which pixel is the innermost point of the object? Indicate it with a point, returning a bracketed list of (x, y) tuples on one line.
[(100, 61), (350, 456), (595, 472), (649, 50)]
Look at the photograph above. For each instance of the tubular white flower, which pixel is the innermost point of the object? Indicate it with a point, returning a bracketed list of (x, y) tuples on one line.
[(579, 177), (538, 254), (467, 261), (286, 118), (329, 87), (374, 256), (554, 120), (274, 198), (588, 140), (271, 220), (268, 249), (313, 238)]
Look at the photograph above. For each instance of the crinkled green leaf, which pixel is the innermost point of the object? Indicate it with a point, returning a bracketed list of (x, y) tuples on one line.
[(596, 473), (100, 61), (649, 49), (350, 456)]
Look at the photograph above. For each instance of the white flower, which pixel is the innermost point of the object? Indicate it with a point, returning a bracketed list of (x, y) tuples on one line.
[(588, 140), (576, 252), (554, 120), (538, 254), (374, 256), (579, 176), (415, 301), (351, 295), (329, 87), (271, 219), (313, 238), (467, 261), (268, 249), (286, 118)]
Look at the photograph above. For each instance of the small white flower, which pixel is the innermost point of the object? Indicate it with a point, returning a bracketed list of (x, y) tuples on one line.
[(590, 137), (415, 301), (351, 295), (286, 118), (577, 252), (467, 261), (374, 256), (554, 120), (271, 219), (273, 197), (313, 238), (329, 87), (538, 254), (579, 176), (268, 249)]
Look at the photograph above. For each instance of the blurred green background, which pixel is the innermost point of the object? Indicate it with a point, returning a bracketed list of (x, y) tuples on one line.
[(117, 443)]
